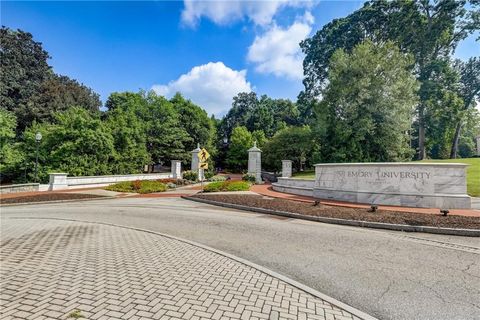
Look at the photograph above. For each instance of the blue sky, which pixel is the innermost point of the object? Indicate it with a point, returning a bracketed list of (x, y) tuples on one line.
[(208, 50)]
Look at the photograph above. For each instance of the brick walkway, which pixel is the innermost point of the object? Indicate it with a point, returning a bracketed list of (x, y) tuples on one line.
[(266, 189), (50, 268)]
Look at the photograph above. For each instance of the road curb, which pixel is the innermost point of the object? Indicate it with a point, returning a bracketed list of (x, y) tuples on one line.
[(357, 313), (355, 223), (57, 201)]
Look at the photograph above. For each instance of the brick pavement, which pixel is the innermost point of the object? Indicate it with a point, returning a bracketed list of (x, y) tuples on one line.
[(50, 268)]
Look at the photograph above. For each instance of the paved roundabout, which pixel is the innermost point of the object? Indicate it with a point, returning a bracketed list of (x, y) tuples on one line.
[(51, 268)]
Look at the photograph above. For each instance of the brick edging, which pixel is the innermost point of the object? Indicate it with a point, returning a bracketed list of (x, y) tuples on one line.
[(355, 223)]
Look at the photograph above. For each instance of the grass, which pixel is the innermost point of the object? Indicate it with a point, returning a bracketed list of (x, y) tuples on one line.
[(309, 174), (227, 186), (138, 186), (473, 173)]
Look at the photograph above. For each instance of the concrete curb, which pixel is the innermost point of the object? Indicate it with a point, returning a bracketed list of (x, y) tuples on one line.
[(355, 223), (57, 201), (357, 313)]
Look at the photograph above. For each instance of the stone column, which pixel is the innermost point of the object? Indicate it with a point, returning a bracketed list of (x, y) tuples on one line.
[(286, 168), (255, 162), (478, 146), (176, 169), (58, 181), (195, 162)]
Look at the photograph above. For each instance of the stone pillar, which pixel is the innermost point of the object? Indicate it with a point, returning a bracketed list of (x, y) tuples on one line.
[(58, 181), (196, 162), (478, 146), (255, 162), (176, 169), (286, 168)]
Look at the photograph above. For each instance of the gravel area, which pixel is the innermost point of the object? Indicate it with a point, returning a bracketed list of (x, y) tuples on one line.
[(49, 197), (396, 217)]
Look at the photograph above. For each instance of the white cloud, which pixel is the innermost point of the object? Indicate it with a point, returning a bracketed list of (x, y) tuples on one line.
[(277, 51), (225, 12), (212, 86)]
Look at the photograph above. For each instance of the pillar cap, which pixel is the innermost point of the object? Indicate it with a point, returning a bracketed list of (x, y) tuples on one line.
[(197, 149), (254, 148)]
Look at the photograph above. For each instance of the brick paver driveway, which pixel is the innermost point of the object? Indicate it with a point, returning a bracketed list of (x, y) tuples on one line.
[(51, 267)]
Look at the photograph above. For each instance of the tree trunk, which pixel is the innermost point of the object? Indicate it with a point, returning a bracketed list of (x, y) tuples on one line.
[(453, 152), (421, 133)]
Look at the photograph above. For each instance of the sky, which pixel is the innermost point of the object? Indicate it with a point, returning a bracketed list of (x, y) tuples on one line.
[(207, 50)]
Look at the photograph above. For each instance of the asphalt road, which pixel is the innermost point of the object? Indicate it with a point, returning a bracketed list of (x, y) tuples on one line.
[(390, 275)]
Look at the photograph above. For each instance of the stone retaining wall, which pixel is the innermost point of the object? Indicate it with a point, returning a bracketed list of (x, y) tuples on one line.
[(13, 188), (303, 187)]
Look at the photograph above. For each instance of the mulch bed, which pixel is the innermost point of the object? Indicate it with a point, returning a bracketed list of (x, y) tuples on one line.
[(396, 217), (48, 197)]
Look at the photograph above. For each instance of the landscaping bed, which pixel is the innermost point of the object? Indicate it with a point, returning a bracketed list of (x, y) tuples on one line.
[(359, 214), (48, 196)]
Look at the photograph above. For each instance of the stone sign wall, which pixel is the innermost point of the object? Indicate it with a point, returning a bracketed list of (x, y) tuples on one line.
[(405, 184)]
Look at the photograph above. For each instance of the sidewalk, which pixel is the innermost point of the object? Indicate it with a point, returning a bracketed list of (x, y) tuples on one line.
[(266, 190)]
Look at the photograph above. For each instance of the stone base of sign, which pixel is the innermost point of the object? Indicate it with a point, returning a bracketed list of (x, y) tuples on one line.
[(403, 200), (24, 187), (303, 187)]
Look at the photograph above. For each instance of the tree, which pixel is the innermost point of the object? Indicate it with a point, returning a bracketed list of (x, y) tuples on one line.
[(23, 69), (165, 137), (237, 154), (195, 121), (469, 91), (78, 143), (429, 30), (292, 143), (129, 138), (10, 156), (58, 93), (367, 106)]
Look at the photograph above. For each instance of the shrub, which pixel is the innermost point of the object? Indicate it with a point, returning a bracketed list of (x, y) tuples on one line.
[(249, 177), (138, 186), (190, 175), (208, 174), (218, 178), (227, 186)]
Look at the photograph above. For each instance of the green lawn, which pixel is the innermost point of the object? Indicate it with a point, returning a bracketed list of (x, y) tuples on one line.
[(473, 173), (305, 174)]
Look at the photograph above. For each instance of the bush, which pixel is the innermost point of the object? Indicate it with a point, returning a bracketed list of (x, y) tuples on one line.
[(190, 175), (138, 186), (208, 174), (249, 177), (227, 186), (218, 178)]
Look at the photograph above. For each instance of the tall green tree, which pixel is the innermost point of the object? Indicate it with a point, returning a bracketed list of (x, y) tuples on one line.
[(78, 143), (291, 143), (58, 93), (23, 69), (10, 155), (195, 120), (367, 106), (237, 154), (469, 90), (129, 138), (429, 30)]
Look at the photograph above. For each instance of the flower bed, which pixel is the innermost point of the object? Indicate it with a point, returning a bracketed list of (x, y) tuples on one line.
[(227, 186), (360, 214), (138, 186)]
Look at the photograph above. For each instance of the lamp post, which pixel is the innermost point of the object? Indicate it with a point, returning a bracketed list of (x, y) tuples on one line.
[(38, 138)]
